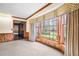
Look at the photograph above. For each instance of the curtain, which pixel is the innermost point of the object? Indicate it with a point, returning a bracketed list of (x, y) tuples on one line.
[(71, 48)]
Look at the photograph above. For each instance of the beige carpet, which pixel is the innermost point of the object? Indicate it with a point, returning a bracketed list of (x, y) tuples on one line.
[(26, 48)]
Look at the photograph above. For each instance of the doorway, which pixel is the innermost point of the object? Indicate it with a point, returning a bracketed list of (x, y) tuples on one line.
[(19, 29)]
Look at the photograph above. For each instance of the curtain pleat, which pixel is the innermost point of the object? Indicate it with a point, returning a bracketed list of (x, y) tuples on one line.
[(75, 32), (72, 48)]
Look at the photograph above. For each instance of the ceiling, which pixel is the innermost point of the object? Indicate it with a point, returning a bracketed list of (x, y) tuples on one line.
[(48, 9), (23, 10)]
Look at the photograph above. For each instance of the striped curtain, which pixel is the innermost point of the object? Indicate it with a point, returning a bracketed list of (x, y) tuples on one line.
[(72, 41)]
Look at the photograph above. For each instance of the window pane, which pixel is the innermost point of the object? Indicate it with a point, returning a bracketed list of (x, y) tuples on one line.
[(53, 35), (53, 29), (46, 29)]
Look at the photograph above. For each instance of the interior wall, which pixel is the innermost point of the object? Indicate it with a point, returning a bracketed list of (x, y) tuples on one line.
[(27, 32), (27, 26), (6, 27), (6, 23)]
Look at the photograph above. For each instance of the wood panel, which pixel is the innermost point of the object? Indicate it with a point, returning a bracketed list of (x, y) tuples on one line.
[(51, 43), (4, 37), (26, 35)]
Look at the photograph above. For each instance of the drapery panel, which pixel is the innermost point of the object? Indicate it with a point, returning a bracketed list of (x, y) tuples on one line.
[(72, 41)]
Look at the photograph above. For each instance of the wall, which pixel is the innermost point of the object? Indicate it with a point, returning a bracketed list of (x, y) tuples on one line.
[(27, 26), (6, 27), (6, 23), (27, 33)]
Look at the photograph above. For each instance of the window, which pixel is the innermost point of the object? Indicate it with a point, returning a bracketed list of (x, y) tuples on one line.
[(53, 29), (46, 27), (50, 29)]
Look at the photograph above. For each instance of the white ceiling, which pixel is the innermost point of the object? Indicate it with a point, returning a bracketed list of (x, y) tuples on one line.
[(23, 10), (50, 8)]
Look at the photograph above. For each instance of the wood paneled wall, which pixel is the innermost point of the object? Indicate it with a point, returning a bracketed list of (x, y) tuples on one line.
[(26, 35), (51, 43), (4, 37)]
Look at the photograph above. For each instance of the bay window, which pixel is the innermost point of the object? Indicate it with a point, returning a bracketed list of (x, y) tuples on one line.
[(54, 28)]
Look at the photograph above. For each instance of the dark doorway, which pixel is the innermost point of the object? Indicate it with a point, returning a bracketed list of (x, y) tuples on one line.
[(19, 29)]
